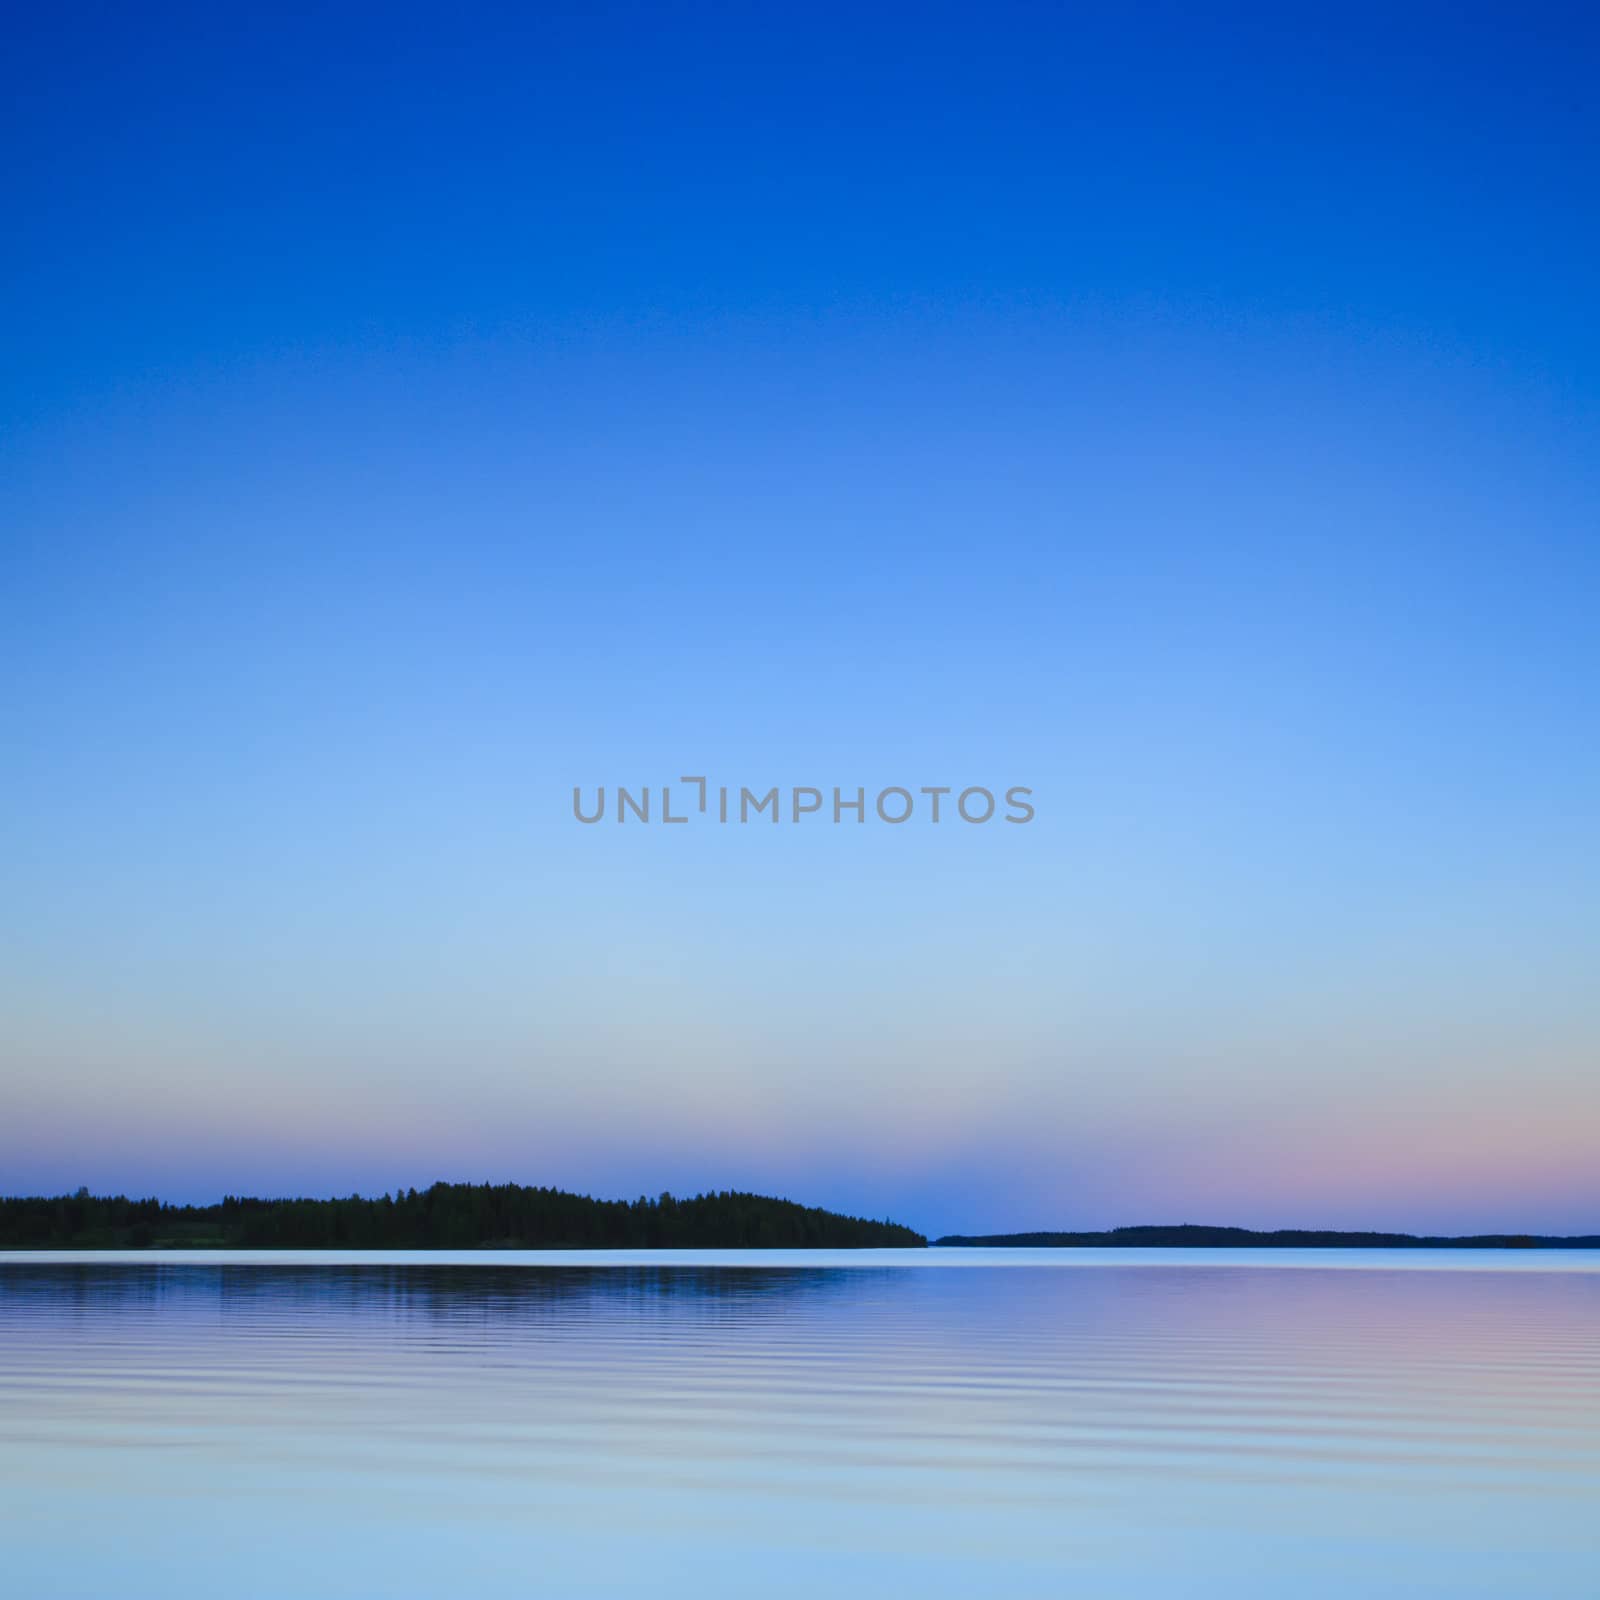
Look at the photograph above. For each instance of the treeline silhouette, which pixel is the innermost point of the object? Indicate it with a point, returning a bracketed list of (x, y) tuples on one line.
[(447, 1216), (1192, 1236)]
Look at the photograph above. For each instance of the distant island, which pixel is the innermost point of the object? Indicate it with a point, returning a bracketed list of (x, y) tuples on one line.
[(447, 1216), (1189, 1236)]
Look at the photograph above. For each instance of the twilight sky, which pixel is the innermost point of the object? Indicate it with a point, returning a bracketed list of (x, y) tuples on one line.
[(407, 415)]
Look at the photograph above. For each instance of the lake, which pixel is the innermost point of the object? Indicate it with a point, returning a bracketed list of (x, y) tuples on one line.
[(939, 1422)]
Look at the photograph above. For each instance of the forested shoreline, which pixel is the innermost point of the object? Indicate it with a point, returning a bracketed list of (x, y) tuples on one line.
[(445, 1216), (509, 1216)]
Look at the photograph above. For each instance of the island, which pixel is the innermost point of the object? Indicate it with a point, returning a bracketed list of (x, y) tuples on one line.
[(446, 1216), (1191, 1236)]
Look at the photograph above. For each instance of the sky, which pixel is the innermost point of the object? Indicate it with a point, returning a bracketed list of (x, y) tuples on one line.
[(410, 414)]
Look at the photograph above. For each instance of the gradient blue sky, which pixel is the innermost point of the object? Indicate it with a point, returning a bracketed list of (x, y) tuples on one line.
[(406, 414)]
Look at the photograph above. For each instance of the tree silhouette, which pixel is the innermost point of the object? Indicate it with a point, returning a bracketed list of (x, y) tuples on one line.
[(447, 1216)]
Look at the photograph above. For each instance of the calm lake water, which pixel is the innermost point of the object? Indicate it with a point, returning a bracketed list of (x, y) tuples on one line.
[(1271, 1423)]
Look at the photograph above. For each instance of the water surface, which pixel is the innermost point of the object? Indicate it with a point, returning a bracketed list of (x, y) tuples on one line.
[(935, 1422)]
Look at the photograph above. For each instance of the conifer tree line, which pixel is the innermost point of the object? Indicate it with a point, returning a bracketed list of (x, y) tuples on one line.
[(446, 1216)]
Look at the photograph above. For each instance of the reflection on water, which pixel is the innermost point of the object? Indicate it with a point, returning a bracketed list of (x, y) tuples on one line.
[(314, 1429)]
